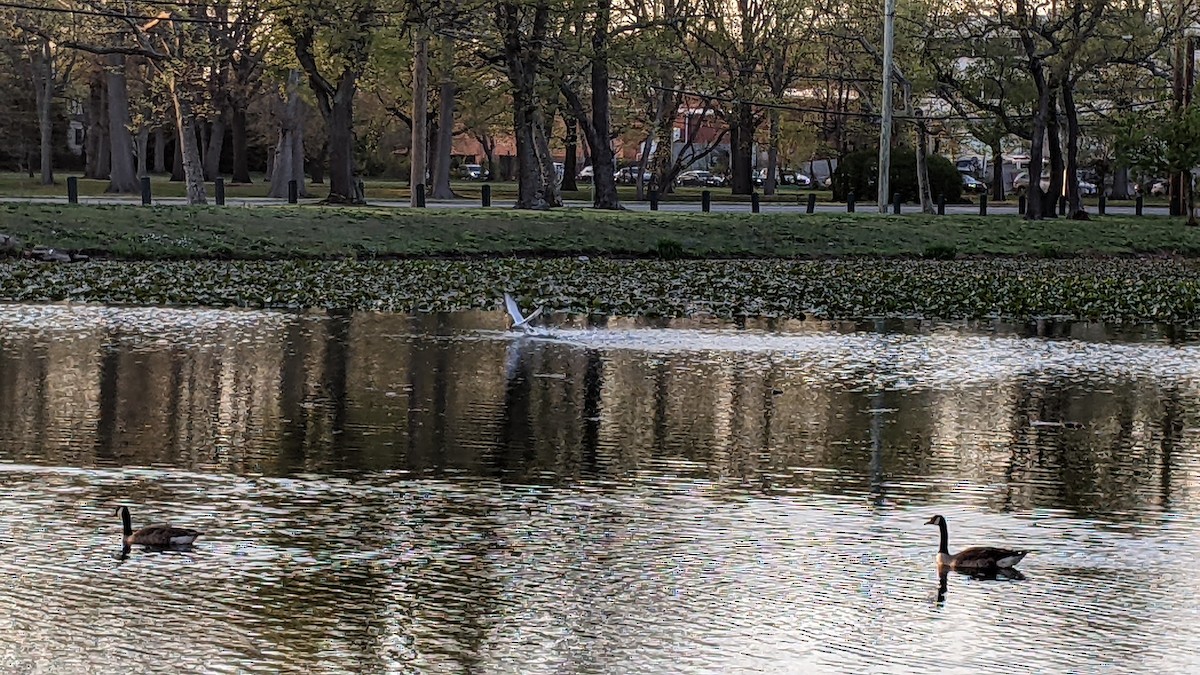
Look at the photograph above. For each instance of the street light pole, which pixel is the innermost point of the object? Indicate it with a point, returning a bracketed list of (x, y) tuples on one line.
[(885, 124)]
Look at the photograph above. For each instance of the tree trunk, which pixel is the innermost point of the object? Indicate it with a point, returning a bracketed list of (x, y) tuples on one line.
[(287, 166), (604, 194), (541, 139), (1121, 183), (922, 158), (445, 136), (122, 178), (997, 171), (343, 187), (1074, 199), (96, 136), (769, 186), (522, 54), (241, 164), (185, 123), (142, 146), (43, 87), (1034, 204), (741, 151), (1054, 145), (571, 152), (417, 174), (488, 143), (216, 143), (160, 151)]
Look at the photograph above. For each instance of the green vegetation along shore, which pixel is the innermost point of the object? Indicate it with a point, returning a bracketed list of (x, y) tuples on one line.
[(585, 262)]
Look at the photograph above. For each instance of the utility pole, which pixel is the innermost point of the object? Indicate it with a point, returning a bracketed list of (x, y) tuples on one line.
[(885, 124)]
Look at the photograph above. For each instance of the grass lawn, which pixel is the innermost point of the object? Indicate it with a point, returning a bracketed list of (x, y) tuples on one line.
[(179, 232)]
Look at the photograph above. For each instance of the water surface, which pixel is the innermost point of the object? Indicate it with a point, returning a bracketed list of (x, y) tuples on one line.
[(385, 493)]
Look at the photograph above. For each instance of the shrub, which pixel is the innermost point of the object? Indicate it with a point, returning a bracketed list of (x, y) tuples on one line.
[(857, 172)]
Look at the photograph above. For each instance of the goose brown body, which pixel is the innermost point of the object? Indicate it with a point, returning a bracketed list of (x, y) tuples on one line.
[(158, 536), (975, 558)]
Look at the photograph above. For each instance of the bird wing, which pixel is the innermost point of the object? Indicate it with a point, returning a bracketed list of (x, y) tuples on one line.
[(161, 535), (987, 556), (514, 310)]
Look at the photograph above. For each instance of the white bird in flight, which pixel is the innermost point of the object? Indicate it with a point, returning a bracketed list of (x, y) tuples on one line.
[(519, 320)]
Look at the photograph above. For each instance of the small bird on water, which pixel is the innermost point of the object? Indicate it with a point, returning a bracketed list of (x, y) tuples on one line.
[(155, 536), (978, 558)]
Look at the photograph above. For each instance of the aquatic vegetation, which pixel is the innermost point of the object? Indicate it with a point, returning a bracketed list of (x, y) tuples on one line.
[(1140, 289)]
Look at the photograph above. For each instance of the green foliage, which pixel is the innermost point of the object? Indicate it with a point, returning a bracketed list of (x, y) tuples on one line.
[(1113, 290), (1160, 143), (858, 172)]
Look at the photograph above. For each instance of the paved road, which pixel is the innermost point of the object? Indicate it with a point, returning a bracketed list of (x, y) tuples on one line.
[(669, 207)]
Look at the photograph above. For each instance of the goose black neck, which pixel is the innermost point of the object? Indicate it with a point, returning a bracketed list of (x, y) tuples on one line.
[(944, 545), (126, 521)]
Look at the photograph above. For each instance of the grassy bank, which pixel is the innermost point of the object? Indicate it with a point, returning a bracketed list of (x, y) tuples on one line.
[(134, 232)]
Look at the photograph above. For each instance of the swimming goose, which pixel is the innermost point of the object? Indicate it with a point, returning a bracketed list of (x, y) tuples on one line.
[(976, 558), (160, 536), (514, 311)]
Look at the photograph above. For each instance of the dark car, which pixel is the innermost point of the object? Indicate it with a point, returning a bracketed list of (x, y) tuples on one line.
[(973, 185)]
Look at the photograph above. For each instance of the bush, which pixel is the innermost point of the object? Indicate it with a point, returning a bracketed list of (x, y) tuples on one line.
[(857, 172)]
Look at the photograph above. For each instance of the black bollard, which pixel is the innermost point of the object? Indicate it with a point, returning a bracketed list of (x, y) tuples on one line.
[(1101, 205), (983, 204), (812, 203), (293, 192), (72, 190), (1021, 205), (1137, 205), (654, 200), (485, 196), (941, 204), (706, 201), (753, 202), (420, 193), (896, 203), (850, 203), (146, 190), (1062, 206), (219, 188)]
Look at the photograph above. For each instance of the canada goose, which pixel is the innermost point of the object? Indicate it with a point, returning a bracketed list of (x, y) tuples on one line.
[(514, 311), (159, 536), (976, 558)]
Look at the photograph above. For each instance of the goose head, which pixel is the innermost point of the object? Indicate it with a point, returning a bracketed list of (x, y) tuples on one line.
[(936, 520)]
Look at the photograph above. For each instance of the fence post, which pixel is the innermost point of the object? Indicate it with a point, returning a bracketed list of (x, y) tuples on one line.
[(1137, 205), (420, 191), (941, 204), (1100, 207), (72, 190), (1021, 205), (654, 200), (753, 202), (219, 188), (896, 203), (146, 191), (812, 203), (706, 201), (850, 203), (293, 192), (983, 204), (1062, 206), (485, 196)]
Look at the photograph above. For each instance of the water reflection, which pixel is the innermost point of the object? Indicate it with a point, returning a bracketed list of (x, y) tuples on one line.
[(431, 494)]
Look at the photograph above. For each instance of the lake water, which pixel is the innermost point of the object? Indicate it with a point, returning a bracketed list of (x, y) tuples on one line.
[(432, 494)]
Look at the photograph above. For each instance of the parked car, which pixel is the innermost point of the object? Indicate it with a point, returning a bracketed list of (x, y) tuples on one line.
[(798, 179), (1158, 187), (474, 172), (973, 185), (1087, 188), (1021, 182), (628, 175), (586, 173), (699, 179)]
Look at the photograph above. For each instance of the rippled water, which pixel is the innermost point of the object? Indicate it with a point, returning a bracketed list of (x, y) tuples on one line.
[(431, 494)]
